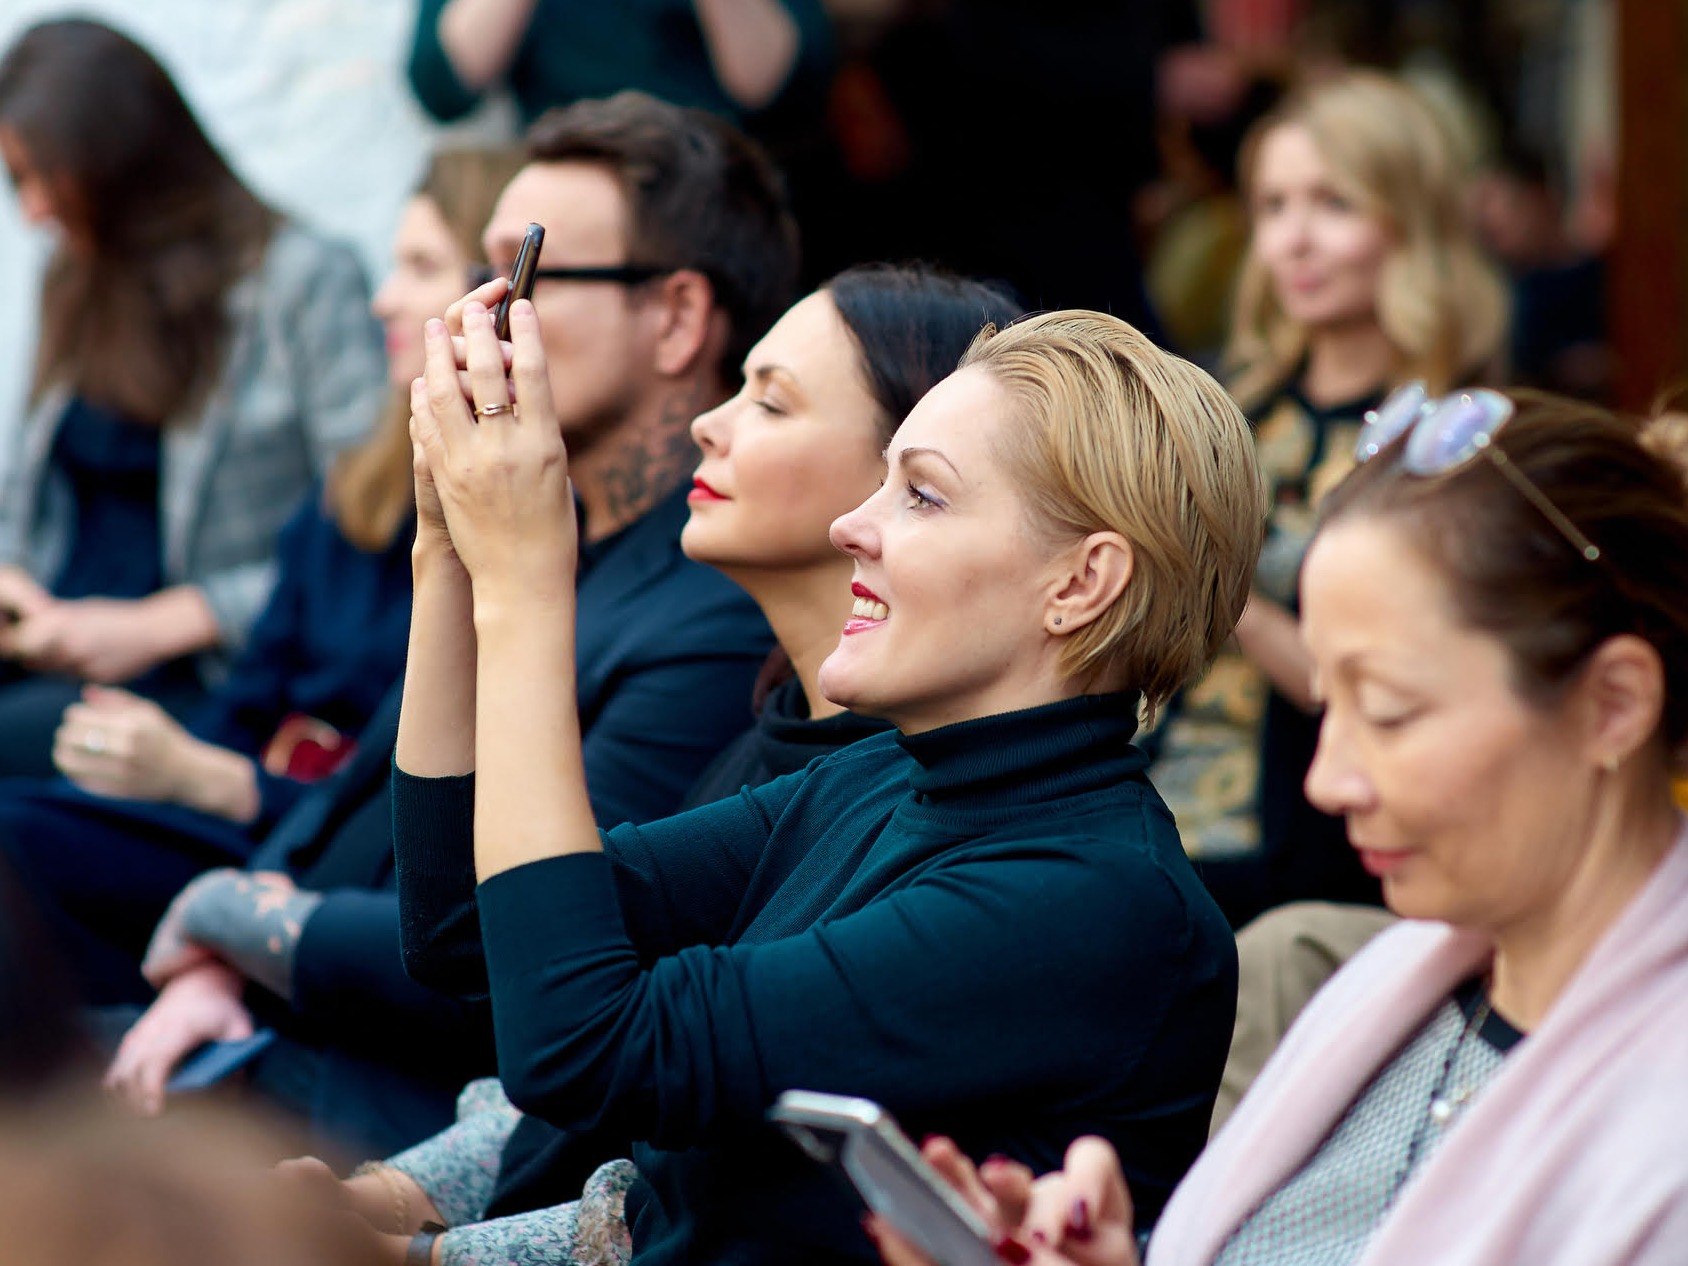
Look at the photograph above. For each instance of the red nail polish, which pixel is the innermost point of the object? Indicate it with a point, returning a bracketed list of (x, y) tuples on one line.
[(928, 1139), (1012, 1251), (997, 1158), (1078, 1221)]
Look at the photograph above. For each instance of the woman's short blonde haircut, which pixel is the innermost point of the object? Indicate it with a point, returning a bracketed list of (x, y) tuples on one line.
[(1440, 302), (1111, 433)]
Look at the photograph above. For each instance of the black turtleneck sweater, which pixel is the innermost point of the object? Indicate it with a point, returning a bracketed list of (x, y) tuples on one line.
[(542, 1165), (991, 928), (782, 741)]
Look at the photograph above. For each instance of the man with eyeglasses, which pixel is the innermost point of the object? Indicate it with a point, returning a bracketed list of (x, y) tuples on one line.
[(669, 250), (648, 293)]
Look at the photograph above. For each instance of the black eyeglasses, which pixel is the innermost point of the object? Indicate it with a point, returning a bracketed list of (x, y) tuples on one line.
[(614, 274)]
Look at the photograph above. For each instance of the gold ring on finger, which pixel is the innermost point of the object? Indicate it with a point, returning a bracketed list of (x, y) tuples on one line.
[(493, 410)]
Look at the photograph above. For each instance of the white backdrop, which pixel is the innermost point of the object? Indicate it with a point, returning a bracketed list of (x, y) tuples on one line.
[(306, 98)]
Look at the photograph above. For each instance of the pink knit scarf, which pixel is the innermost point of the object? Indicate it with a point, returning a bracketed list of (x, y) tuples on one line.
[(1576, 1154)]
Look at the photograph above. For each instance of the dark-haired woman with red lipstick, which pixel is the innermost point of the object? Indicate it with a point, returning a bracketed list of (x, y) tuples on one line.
[(1064, 533), (800, 444)]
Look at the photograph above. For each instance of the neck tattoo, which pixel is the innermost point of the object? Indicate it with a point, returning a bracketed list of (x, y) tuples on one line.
[(647, 464)]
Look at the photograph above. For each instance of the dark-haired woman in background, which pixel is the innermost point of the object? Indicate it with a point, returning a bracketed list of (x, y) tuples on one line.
[(153, 802), (799, 445), (200, 362)]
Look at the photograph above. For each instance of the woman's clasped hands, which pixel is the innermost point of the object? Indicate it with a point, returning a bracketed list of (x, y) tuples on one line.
[(492, 470)]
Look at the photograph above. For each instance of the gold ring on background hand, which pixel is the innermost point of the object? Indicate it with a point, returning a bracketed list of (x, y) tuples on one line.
[(493, 410)]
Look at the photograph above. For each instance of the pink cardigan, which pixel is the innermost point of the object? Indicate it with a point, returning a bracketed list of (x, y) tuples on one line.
[(1576, 1154)]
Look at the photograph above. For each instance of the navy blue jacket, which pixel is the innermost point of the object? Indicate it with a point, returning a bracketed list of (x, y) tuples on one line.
[(330, 642)]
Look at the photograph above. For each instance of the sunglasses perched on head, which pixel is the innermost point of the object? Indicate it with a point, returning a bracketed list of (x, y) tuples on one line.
[(1443, 435)]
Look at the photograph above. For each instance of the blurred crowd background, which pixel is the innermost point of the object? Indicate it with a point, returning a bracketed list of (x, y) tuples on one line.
[(1083, 153), (960, 131)]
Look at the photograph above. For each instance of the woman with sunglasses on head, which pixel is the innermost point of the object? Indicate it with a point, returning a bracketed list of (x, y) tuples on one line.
[(1496, 604), (1065, 532), (1361, 275), (201, 361)]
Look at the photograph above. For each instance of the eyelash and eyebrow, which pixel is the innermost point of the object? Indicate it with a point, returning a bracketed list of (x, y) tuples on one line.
[(922, 500)]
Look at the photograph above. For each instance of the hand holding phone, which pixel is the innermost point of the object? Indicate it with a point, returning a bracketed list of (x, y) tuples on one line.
[(860, 1138), (521, 278)]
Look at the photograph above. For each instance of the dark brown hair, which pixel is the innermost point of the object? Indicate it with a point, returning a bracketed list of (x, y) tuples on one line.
[(133, 307), (700, 195), (911, 323), (1514, 576), (370, 490)]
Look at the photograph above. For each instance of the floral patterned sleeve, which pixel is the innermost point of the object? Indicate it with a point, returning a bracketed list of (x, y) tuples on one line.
[(458, 1166), (591, 1231)]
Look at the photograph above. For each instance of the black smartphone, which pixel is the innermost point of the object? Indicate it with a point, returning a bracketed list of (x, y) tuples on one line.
[(521, 278), (860, 1138), (212, 1062)]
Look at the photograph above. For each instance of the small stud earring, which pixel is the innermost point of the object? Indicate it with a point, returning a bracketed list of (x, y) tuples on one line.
[(1610, 763), (1057, 619)]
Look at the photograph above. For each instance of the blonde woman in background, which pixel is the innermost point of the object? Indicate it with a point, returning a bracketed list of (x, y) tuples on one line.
[(1361, 274)]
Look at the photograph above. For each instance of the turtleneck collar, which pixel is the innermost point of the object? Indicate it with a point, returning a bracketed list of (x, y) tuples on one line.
[(1034, 755), (785, 718), (786, 739)]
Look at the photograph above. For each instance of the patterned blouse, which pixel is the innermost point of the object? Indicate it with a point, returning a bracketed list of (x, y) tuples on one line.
[(1326, 1213)]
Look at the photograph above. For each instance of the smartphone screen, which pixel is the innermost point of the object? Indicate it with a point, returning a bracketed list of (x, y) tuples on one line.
[(521, 278)]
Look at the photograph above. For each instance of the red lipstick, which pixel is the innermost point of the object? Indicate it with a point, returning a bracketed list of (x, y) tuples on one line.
[(859, 623), (703, 492)]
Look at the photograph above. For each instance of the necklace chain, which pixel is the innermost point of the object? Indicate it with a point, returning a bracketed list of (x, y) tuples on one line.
[(1442, 1107)]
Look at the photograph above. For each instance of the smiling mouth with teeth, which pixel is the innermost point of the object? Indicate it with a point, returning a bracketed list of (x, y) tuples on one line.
[(868, 609)]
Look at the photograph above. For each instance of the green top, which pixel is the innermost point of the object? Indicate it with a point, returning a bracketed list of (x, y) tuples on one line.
[(575, 49)]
